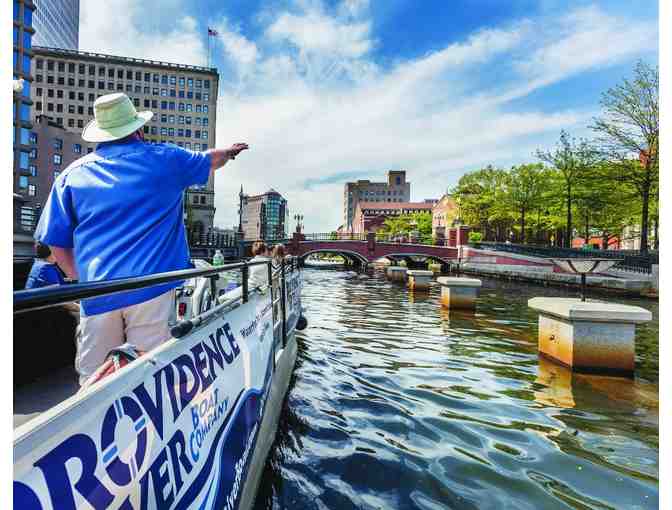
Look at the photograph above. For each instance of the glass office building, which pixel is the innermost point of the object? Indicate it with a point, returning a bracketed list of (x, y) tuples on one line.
[(22, 30), (57, 24)]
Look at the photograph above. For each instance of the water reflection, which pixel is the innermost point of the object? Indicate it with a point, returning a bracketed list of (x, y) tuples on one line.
[(398, 403)]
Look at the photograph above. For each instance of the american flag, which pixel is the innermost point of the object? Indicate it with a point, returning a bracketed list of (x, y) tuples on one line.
[(212, 31)]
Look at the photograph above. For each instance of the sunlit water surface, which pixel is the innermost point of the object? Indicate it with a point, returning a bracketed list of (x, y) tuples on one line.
[(397, 403)]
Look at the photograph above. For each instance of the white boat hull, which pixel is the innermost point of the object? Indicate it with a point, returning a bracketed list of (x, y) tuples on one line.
[(188, 425)]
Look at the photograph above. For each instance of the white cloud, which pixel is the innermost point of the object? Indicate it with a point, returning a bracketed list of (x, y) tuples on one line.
[(312, 101), (114, 27)]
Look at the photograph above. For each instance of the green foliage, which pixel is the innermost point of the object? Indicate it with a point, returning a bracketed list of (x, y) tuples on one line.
[(405, 224), (628, 129), (475, 237)]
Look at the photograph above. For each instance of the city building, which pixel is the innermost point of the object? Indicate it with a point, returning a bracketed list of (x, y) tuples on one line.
[(23, 31), (56, 23), (444, 211), (395, 190), (370, 216), (182, 97), (263, 216), (54, 149)]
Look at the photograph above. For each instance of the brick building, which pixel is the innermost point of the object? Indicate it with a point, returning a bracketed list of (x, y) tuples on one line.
[(443, 214), (395, 190), (370, 216), (182, 97)]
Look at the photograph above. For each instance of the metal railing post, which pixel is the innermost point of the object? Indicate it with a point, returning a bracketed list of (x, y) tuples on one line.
[(246, 274), (283, 303)]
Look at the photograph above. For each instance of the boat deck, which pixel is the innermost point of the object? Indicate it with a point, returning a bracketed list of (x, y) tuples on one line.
[(41, 395)]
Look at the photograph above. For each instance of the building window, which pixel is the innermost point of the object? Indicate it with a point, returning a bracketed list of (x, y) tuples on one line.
[(188, 106), (164, 117), (205, 121), (81, 83), (110, 85), (129, 87), (190, 94), (164, 79), (198, 84), (58, 159), (146, 90), (195, 199), (59, 108), (206, 96), (190, 82), (101, 85), (77, 148), (164, 105), (33, 170), (180, 132), (137, 89), (154, 130), (180, 107), (33, 138), (50, 79), (188, 120), (205, 108), (91, 84), (71, 95), (120, 87), (206, 84), (197, 133), (129, 74), (172, 93), (23, 182), (187, 133), (71, 82), (180, 119), (32, 190), (148, 77), (155, 104), (202, 200), (71, 108), (59, 94), (145, 103), (204, 135), (171, 131), (204, 146), (136, 102), (80, 123), (71, 122), (197, 146), (101, 71), (172, 80)]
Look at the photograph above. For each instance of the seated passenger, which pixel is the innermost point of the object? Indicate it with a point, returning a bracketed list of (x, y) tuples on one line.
[(279, 253), (258, 276), (45, 271)]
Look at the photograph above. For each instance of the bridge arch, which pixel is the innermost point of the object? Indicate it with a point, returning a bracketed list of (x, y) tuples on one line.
[(349, 254), (401, 255)]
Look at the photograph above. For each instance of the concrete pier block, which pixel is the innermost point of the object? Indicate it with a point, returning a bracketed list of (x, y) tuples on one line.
[(459, 293), (396, 273), (419, 279), (589, 336), (434, 267)]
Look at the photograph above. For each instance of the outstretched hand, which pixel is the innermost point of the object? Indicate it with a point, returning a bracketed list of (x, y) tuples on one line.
[(236, 149)]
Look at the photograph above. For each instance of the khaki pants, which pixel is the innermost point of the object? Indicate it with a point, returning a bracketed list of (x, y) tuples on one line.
[(145, 326)]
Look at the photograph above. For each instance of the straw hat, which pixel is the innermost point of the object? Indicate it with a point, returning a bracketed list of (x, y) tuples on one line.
[(115, 117)]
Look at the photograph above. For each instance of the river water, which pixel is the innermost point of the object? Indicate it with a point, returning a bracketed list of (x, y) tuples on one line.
[(397, 403)]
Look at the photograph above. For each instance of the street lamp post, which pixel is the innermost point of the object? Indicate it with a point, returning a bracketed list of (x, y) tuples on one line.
[(299, 219)]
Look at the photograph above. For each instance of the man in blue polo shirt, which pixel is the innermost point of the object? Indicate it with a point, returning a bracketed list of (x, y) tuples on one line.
[(117, 212)]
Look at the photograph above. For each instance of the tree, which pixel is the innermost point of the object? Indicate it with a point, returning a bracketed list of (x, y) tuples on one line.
[(572, 159), (526, 185), (481, 200), (629, 129)]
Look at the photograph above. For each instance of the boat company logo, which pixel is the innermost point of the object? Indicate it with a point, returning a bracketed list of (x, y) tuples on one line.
[(165, 440)]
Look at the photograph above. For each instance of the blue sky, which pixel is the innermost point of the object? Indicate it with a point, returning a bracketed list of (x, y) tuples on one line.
[(326, 91)]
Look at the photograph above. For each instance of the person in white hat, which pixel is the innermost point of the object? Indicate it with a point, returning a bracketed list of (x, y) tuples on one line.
[(117, 212)]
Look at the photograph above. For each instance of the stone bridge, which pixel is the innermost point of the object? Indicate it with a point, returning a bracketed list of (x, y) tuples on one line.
[(367, 249)]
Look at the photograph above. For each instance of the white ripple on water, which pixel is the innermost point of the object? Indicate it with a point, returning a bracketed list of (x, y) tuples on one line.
[(400, 404)]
